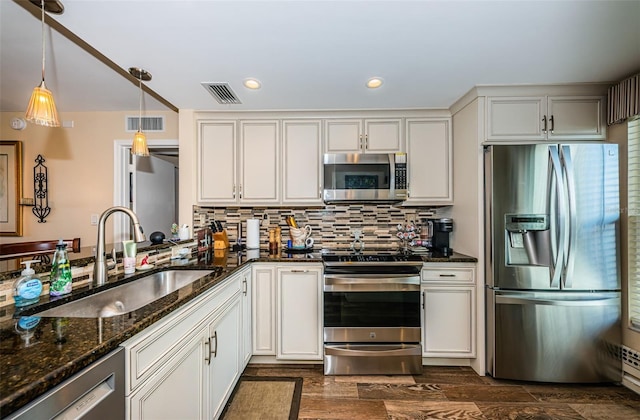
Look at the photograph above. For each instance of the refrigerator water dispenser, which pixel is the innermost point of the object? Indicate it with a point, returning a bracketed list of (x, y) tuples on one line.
[(528, 240)]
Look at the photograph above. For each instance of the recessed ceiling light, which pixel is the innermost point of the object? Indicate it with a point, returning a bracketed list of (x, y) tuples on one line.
[(374, 82), (252, 84)]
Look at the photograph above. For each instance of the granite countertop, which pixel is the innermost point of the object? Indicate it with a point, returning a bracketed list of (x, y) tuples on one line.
[(37, 353)]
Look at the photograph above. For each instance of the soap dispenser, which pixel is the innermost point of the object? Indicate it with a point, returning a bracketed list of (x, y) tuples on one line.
[(60, 279), (27, 289)]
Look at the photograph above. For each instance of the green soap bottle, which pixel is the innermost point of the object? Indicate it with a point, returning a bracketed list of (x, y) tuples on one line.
[(60, 279)]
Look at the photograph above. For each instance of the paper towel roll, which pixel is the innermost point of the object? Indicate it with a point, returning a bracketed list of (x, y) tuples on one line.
[(253, 233)]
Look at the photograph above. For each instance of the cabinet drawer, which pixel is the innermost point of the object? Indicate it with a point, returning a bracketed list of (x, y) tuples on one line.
[(150, 349), (447, 275)]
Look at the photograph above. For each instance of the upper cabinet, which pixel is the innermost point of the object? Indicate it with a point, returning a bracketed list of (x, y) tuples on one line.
[(240, 167), (216, 167), (302, 162), (374, 135), (259, 162), (429, 162), (548, 118)]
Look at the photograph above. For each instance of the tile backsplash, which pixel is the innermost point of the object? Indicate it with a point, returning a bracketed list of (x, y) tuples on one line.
[(332, 226)]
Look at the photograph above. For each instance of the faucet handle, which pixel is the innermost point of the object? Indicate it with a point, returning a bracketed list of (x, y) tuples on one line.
[(111, 264)]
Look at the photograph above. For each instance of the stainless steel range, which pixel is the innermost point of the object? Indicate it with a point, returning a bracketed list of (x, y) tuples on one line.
[(372, 314)]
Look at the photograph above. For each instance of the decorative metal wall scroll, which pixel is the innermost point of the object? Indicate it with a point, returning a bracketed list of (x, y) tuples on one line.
[(40, 191)]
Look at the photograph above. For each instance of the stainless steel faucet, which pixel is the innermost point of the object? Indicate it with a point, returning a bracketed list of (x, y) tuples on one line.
[(100, 266)]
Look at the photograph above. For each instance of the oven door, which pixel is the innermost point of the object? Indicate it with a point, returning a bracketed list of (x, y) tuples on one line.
[(371, 308)]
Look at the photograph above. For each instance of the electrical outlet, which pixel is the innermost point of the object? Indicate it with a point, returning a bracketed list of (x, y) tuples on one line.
[(203, 219), (25, 201), (94, 219), (265, 220)]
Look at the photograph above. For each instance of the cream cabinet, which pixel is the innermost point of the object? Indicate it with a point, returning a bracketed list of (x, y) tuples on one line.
[(429, 162), (546, 118), (375, 135), (186, 365), (216, 162), (302, 162), (246, 301), (259, 162), (238, 162), (263, 314), (299, 312), (449, 311)]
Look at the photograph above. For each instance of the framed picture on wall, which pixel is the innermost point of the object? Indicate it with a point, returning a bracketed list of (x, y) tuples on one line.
[(10, 188)]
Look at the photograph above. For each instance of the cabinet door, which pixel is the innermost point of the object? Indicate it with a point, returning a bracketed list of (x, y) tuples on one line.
[(263, 312), (260, 162), (216, 171), (223, 361), (299, 313), (383, 136), (246, 319), (576, 118), (178, 389), (449, 321), (343, 136), (516, 118), (429, 162), (302, 162)]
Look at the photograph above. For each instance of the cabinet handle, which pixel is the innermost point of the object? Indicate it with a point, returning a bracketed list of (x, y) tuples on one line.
[(244, 287), (299, 271), (215, 348), (360, 141), (447, 275), (552, 123), (366, 141), (544, 120), (207, 358), (240, 191), (424, 299), (234, 191)]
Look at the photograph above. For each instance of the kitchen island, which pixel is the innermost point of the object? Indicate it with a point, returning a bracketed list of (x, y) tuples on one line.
[(49, 350)]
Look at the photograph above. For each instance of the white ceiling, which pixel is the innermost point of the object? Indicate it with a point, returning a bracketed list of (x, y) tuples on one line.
[(313, 54)]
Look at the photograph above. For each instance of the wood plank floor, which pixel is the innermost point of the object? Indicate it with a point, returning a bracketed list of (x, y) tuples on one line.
[(449, 393)]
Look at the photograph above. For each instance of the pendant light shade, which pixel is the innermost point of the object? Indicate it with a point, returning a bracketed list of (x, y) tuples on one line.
[(139, 146), (42, 107)]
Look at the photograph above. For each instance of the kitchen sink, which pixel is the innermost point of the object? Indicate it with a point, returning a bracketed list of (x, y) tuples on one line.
[(127, 297)]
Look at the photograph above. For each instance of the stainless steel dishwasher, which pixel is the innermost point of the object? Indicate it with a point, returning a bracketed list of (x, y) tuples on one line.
[(96, 392)]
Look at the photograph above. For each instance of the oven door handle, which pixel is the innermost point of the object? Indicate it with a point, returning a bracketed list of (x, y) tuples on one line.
[(334, 283), (373, 350), (372, 279)]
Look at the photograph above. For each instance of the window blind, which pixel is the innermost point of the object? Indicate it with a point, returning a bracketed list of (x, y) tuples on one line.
[(633, 207)]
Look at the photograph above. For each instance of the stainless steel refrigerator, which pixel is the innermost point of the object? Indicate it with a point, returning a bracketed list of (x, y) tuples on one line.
[(552, 272)]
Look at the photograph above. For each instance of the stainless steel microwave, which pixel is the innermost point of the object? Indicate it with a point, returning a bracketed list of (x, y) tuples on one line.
[(365, 177)]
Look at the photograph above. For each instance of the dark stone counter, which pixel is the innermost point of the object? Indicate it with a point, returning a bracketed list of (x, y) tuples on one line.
[(38, 353)]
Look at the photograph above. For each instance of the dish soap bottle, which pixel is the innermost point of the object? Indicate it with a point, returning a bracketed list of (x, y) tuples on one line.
[(27, 289), (60, 279)]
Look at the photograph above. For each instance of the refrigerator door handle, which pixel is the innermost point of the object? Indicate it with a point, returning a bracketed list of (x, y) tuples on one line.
[(556, 269), (573, 221), (523, 300)]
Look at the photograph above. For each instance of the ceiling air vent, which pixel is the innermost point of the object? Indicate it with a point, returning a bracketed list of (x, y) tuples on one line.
[(148, 124), (222, 92)]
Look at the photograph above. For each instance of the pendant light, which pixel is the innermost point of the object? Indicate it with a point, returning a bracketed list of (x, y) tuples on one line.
[(139, 146), (42, 108)]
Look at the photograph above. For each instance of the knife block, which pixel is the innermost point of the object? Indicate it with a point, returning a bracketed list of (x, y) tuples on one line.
[(220, 240)]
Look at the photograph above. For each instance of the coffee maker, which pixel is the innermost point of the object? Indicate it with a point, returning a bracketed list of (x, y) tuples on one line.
[(437, 235)]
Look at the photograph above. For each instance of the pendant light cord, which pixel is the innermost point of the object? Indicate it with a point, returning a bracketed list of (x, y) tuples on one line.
[(43, 42), (140, 108)]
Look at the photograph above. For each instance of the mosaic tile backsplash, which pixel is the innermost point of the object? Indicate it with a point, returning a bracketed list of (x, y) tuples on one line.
[(332, 226)]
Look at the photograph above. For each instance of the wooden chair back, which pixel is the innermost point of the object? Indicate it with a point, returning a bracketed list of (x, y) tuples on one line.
[(23, 249)]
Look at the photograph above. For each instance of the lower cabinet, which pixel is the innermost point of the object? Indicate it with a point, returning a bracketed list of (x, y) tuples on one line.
[(287, 311), (187, 365), (299, 312), (449, 314)]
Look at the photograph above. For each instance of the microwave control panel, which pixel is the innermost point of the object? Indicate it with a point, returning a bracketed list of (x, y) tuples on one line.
[(401, 171)]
